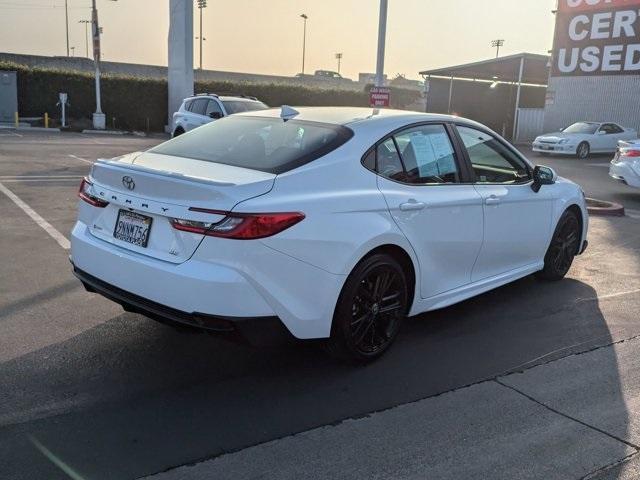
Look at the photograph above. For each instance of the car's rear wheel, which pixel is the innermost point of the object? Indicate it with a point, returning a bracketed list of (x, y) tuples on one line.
[(178, 131), (583, 150), (563, 248), (370, 310)]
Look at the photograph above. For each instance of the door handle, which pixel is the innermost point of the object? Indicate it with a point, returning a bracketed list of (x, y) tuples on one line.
[(492, 200), (412, 205)]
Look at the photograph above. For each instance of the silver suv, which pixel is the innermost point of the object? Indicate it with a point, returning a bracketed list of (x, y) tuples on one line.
[(207, 107)]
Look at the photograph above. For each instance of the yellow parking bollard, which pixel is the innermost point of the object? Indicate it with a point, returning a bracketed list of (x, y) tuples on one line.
[(17, 119), (46, 120)]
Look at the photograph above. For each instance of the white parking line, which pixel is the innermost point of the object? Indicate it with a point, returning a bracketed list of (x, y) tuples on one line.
[(81, 159), (46, 226)]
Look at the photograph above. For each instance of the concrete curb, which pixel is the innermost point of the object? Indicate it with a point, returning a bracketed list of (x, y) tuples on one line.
[(602, 208), (104, 132), (31, 129)]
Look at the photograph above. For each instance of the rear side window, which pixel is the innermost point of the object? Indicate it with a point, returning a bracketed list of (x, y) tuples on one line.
[(237, 106), (265, 144), (421, 155)]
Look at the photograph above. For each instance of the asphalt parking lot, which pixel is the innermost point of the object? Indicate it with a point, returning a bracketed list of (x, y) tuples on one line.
[(107, 394)]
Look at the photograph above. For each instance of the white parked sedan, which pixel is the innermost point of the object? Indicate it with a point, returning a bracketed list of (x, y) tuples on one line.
[(330, 223), (625, 166), (584, 138)]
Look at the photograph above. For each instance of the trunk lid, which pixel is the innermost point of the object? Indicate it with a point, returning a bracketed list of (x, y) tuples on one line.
[(156, 188)]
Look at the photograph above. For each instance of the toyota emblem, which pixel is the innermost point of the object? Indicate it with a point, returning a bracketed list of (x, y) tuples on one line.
[(128, 183)]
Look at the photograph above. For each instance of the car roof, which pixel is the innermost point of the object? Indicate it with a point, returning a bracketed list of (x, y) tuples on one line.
[(351, 116), (222, 97)]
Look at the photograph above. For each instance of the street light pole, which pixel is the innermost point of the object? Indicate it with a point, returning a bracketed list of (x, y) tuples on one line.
[(304, 39), (86, 34), (497, 44), (66, 18), (339, 58), (382, 34), (201, 5)]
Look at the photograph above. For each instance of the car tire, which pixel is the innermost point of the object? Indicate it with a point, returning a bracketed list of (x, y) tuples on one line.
[(178, 131), (583, 150), (564, 246), (372, 305)]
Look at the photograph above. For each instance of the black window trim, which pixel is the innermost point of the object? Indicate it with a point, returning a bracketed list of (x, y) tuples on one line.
[(462, 161), (505, 144)]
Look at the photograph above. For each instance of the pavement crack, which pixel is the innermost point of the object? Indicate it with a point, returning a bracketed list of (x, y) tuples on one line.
[(594, 474), (569, 417)]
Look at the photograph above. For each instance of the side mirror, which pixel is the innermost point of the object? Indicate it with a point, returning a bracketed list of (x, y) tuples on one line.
[(215, 115), (543, 176), (601, 132)]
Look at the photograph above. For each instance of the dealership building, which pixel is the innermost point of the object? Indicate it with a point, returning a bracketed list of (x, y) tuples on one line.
[(593, 74)]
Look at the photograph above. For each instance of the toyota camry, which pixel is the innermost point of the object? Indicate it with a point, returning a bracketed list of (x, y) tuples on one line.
[(321, 223)]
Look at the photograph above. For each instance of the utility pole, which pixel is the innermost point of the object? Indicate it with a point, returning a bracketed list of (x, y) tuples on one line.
[(304, 39), (382, 34), (66, 17), (497, 44), (86, 34), (339, 58), (202, 4)]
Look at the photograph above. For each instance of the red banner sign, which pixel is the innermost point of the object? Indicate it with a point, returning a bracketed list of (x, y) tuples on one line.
[(587, 5), (379, 96)]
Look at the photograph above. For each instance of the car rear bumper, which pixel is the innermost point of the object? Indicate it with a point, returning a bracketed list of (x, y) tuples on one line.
[(254, 330), (625, 174), (225, 281)]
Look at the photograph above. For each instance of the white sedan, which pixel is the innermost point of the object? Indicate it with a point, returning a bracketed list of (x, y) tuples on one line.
[(321, 223), (625, 166), (584, 138)]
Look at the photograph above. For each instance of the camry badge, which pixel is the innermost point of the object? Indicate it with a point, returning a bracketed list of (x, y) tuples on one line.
[(128, 183)]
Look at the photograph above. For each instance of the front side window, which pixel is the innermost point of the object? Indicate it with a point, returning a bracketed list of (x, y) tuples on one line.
[(491, 160), (199, 106), (610, 129), (258, 143), (213, 106)]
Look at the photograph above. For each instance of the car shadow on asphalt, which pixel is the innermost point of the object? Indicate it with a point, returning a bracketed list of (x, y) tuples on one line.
[(142, 398)]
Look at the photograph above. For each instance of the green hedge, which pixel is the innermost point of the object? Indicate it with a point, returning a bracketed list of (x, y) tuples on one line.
[(133, 102)]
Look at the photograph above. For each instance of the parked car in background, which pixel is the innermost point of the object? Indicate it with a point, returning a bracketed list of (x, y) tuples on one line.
[(584, 138), (625, 166), (207, 107), (321, 223)]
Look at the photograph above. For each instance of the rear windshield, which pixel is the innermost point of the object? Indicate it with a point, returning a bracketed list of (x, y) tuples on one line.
[(237, 106), (266, 144)]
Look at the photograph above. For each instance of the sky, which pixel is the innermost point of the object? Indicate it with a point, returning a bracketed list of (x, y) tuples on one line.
[(265, 36)]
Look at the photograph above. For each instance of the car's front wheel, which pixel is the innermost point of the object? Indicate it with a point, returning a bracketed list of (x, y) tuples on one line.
[(370, 310), (583, 150), (563, 248)]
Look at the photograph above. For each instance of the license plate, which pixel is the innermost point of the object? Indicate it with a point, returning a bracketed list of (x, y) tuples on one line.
[(545, 147), (133, 228)]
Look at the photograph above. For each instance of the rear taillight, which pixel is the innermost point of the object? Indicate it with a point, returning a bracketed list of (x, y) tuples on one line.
[(629, 152), (241, 226), (85, 193)]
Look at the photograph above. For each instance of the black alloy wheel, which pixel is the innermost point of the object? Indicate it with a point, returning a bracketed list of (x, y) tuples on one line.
[(563, 248), (372, 305)]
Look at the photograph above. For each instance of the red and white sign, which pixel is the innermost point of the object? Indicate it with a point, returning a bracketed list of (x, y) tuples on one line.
[(379, 96)]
